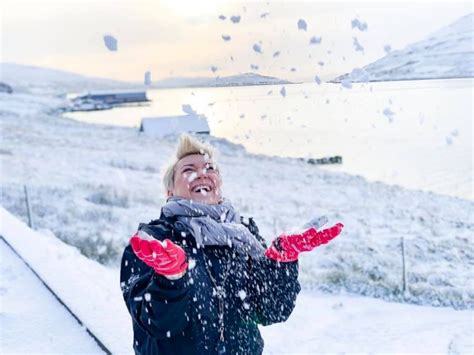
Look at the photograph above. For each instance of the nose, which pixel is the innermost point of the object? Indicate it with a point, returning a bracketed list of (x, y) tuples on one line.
[(201, 173)]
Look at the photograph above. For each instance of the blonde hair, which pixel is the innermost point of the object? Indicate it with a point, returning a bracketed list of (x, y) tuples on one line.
[(187, 145)]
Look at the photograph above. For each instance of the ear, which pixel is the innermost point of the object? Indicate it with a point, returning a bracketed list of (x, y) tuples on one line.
[(169, 193)]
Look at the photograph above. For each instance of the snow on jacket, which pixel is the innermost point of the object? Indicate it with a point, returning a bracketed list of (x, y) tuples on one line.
[(181, 316)]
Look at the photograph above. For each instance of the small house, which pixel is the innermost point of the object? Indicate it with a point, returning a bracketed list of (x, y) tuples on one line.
[(162, 126)]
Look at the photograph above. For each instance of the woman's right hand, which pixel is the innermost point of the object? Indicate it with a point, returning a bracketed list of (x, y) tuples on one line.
[(166, 258)]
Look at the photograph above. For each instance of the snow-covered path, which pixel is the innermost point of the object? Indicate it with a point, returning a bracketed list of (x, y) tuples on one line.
[(90, 290), (32, 320)]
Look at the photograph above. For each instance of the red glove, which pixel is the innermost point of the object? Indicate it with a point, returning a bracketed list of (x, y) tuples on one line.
[(286, 248), (166, 258)]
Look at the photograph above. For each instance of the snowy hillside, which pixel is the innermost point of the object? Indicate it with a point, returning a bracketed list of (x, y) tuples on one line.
[(31, 79), (447, 53), (91, 185), (233, 80)]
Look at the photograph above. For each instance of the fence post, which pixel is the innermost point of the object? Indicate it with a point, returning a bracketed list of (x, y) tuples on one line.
[(404, 269), (28, 208)]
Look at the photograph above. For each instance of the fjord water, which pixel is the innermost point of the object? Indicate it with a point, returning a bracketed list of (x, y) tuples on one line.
[(416, 134)]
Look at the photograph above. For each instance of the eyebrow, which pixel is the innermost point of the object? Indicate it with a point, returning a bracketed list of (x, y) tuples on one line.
[(194, 165)]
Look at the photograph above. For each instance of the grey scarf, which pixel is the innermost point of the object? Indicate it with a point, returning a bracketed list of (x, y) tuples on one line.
[(213, 225)]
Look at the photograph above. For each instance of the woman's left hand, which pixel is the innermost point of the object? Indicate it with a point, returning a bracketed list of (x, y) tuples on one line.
[(286, 248)]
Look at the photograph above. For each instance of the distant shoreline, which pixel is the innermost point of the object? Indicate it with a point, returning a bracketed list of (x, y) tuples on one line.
[(402, 79), (302, 82), (223, 85)]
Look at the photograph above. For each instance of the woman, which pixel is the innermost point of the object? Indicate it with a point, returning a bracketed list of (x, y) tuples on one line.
[(199, 280)]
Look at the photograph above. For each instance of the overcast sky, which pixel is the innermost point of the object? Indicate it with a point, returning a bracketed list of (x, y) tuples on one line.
[(184, 38)]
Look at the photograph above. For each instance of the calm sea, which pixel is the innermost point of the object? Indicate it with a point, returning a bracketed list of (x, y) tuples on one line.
[(417, 134)]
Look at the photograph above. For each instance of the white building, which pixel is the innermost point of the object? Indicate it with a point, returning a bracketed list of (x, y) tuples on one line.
[(162, 126)]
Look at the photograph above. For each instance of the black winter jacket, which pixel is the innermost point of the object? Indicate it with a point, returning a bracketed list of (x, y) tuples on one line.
[(181, 317)]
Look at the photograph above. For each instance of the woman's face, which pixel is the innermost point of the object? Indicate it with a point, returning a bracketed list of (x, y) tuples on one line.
[(196, 178)]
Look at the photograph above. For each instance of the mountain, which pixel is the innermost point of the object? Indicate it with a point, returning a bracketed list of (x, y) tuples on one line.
[(233, 80), (447, 53), (27, 78)]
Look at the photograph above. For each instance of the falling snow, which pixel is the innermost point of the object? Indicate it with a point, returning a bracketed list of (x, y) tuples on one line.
[(191, 263), (257, 48), (315, 40), (186, 108), (387, 112), (357, 45), (192, 177), (302, 25), (356, 23), (242, 294), (111, 43)]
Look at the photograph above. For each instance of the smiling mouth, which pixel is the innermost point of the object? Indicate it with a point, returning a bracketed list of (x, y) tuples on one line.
[(202, 189)]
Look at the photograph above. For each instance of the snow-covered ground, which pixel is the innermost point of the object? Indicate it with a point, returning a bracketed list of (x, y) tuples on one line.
[(447, 53), (90, 185), (91, 291), (31, 319)]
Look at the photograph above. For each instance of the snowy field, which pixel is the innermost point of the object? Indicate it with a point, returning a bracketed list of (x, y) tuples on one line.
[(90, 186), (319, 324)]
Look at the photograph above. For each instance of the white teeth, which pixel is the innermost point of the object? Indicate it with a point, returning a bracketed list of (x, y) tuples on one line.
[(202, 189)]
